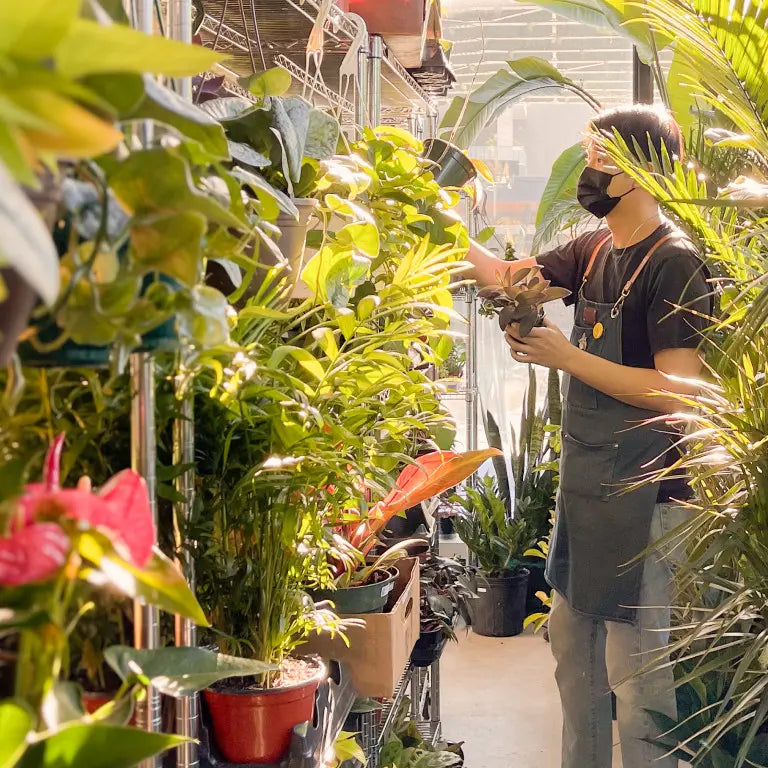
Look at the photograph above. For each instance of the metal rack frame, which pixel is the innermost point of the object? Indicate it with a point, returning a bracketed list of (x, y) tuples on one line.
[(384, 91)]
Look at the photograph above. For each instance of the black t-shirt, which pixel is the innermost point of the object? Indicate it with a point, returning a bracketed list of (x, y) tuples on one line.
[(674, 277)]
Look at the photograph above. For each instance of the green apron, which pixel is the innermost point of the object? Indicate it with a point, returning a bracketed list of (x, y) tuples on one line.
[(600, 527)]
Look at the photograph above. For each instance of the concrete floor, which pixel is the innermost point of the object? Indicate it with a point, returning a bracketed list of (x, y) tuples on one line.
[(499, 697)]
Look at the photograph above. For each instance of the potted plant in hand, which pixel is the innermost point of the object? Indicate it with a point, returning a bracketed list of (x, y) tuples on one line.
[(447, 589), (499, 542), (519, 297)]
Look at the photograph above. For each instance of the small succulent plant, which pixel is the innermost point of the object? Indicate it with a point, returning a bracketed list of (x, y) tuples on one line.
[(519, 298)]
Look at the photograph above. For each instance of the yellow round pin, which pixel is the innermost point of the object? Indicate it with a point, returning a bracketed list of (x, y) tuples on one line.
[(597, 330)]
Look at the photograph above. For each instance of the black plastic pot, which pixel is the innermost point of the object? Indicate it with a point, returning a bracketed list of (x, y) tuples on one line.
[(369, 598), (446, 526), (453, 168), (499, 610), (536, 583), (429, 648), (404, 526)]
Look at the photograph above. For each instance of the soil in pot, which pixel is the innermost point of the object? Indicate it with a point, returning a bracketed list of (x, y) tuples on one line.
[(453, 168), (499, 610), (253, 724), (366, 598)]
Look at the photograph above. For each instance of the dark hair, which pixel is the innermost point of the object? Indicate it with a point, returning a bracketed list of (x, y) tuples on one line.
[(647, 125)]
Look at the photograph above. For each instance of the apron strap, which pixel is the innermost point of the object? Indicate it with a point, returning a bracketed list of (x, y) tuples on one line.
[(592, 258), (628, 285)]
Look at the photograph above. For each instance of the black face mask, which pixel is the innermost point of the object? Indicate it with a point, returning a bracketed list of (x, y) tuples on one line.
[(592, 192)]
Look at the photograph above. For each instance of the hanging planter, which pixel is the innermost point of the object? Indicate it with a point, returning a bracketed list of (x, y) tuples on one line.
[(255, 725), (452, 167)]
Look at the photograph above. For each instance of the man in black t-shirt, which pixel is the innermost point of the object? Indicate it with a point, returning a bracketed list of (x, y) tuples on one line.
[(641, 302)]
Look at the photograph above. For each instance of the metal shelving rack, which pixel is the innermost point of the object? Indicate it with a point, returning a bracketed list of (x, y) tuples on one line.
[(355, 76)]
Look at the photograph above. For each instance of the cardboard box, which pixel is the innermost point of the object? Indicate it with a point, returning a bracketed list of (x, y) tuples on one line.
[(379, 652)]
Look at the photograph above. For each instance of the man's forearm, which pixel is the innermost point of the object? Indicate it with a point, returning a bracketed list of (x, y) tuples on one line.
[(485, 265), (635, 386)]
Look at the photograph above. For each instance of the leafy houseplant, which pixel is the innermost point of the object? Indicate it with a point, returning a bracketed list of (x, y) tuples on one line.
[(447, 590), (280, 140), (59, 547), (499, 542), (88, 60), (468, 115), (519, 298), (428, 476), (536, 447), (407, 748)]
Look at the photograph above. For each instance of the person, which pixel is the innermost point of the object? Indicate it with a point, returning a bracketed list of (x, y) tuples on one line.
[(641, 299)]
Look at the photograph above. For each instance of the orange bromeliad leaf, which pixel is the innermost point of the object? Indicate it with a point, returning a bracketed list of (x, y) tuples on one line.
[(432, 473)]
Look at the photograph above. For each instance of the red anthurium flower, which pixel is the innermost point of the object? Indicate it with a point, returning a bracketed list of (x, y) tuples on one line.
[(32, 554), (120, 509)]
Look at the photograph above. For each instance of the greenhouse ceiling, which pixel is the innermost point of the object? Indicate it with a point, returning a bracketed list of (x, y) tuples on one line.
[(486, 33)]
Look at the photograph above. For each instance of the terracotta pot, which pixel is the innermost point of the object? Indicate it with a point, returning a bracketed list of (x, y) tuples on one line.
[(256, 726), (93, 700)]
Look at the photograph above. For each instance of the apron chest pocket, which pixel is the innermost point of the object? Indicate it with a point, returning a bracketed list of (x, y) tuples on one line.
[(587, 469)]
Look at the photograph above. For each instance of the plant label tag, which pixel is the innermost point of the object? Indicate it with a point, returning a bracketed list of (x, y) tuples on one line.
[(387, 588), (482, 589)]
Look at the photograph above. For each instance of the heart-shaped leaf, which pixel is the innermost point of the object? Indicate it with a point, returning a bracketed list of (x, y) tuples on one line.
[(96, 745), (16, 721), (181, 671)]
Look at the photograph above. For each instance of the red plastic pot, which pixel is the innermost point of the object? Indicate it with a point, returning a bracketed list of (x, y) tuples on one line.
[(256, 726), (95, 700)]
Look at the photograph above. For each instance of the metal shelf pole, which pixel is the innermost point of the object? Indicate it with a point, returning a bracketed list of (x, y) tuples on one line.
[(146, 626), (187, 707), (374, 60), (362, 90), (471, 392), (180, 28), (187, 713)]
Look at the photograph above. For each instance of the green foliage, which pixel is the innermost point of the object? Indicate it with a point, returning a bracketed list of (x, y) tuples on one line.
[(535, 455), (446, 591), (52, 111), (324, 400), (559, 209), (407, 748), (491, 534), (466, 117)]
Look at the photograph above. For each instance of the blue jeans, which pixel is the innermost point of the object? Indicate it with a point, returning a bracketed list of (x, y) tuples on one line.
[(594, 656)]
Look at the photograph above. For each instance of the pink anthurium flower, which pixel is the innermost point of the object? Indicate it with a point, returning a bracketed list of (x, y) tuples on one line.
[(37, 546)]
